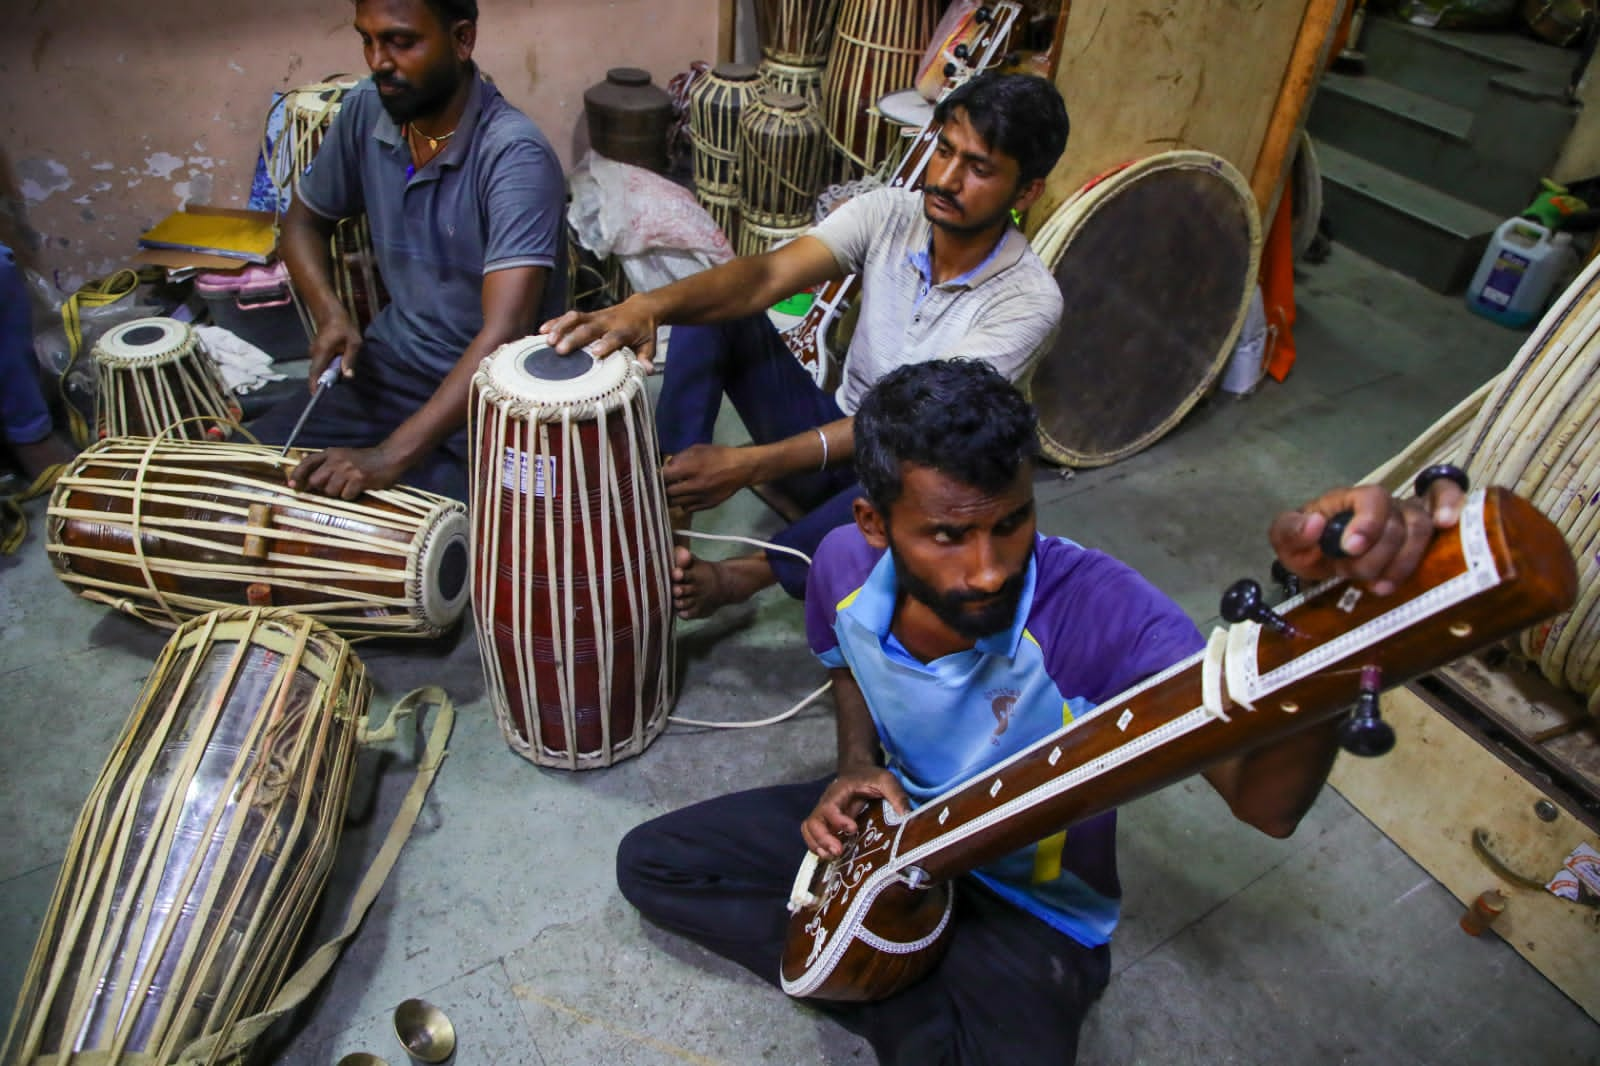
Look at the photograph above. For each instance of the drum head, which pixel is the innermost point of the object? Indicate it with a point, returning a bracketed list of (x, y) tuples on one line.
[(1156, 263), (445, 569), (146, 341), (531, 371), (906, 108)]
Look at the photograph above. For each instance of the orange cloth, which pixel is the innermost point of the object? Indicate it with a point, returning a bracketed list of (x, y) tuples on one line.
[(1277, 288)]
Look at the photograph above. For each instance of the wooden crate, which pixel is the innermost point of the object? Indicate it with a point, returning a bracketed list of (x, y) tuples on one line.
[(1469, 763)]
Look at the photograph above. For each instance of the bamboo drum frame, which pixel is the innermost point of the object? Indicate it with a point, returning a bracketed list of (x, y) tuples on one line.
[(197, 861), (782, 153), (153, 377), (717, 99), (571, 549), (167, 530), (876, 50), (796, 32)]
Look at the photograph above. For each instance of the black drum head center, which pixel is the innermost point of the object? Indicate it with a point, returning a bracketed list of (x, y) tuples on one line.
[(142, 335), (547, 364)]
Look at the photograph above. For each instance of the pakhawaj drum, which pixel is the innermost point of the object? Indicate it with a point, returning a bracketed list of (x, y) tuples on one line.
[(166, 530), (782, 154), (794, 36), (154, 378), (876, 50), (571, 554), (717, 99), (198, 859)]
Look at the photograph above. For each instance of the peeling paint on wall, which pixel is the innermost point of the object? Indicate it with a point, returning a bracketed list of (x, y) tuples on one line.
[(162, 164), (41, 178)]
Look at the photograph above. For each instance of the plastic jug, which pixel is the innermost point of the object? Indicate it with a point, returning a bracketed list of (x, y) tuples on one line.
[(1520, 267)]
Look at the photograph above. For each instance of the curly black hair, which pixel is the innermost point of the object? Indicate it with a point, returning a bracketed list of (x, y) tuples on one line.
[(1021, 115), (449, 12), (960, 417)]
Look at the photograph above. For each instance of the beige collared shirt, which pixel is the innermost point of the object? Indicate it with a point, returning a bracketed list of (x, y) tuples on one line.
[(1005, 312)]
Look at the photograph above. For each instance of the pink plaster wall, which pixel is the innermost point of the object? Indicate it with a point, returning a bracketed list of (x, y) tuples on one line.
[(116, 113)]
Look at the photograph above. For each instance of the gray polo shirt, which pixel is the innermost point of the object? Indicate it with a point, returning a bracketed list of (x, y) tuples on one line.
[(493, 199), (1004, 312)]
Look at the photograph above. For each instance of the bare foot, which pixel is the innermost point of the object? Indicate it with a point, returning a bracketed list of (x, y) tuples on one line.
[(39, 456), (701, 586)]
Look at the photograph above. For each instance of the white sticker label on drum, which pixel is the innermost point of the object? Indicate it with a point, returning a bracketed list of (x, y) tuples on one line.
[(515, 475)]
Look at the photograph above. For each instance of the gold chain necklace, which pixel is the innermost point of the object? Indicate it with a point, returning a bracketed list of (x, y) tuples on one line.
[(433, 142)]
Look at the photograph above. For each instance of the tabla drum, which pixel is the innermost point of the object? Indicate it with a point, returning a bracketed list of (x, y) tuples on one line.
[(782, 153), (1156, 262), (199, 857), (571, 555), (717, 100), (875, 51), (796, 32), (167, 530), (309, 112), (153, 378), (804, 82)]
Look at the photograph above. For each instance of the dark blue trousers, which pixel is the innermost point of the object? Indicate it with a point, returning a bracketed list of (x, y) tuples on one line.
[(24, 415), (747, 361), (1010, 989), (362, 411)]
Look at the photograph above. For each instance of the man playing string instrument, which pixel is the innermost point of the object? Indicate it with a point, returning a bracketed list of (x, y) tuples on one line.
[(944, 272), (465, 200), (957, 636)]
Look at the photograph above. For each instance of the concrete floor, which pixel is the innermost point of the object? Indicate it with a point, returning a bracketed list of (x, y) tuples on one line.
[(1330, 947)]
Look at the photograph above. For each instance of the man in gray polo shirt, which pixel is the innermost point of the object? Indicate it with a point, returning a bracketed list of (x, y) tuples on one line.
[(944, 272), (465, 199)]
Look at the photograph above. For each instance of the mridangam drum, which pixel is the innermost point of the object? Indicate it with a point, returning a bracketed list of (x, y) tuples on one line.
[(154, 378), (875, 51), (200, 854), (167, 530), (782, 153), (571, 553), (308, 113), (717, 99), (1156, 262)]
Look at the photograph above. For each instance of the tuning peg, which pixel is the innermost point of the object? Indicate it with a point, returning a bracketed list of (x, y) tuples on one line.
[(1333, 533), (1448, 471), (982, 15), (1243, 603), (1285, 579), (950, 70), (1365, 733), (961, 51)]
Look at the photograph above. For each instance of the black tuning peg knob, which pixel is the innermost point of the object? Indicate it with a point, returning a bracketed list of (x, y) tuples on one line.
[(961, 51), (1333, 533), (1285, 579), (950, 70), (1242, 602), (982, 15), (1365, 733)]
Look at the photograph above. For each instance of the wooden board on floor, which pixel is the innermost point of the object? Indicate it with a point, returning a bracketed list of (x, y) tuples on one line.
[(1433, 791)]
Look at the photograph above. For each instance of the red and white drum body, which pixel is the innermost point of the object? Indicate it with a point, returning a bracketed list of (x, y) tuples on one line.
[(572, 551)]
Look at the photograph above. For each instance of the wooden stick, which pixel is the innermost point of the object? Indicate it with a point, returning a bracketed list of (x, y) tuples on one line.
[(1288, 117)]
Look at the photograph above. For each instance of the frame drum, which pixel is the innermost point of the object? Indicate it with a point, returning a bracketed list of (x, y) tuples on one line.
[(200, 855), (154, 378), (166, 530), (571, 553), (1156, 262)]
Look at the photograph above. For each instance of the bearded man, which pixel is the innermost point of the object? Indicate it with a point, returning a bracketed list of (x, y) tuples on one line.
[(465, 199)]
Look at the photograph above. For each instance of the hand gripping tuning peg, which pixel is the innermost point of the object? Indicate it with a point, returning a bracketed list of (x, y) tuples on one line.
[(1285, 579), (1333, 532), (1243, 603), (1365, 733)]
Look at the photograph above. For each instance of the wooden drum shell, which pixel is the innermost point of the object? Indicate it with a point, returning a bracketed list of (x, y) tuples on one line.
[(154, 379), (198, 859), (170, 530), (796, 33), (876, 50), (717, 100), (782, 154), (571, 551)]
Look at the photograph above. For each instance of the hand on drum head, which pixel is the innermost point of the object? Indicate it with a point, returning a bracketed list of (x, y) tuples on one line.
[(1383, 541), (338, 338), (703, 475), (344, 473), (627, 325), (842, 801)]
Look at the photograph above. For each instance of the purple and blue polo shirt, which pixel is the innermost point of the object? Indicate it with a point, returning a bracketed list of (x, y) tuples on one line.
[(1087, 627)]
